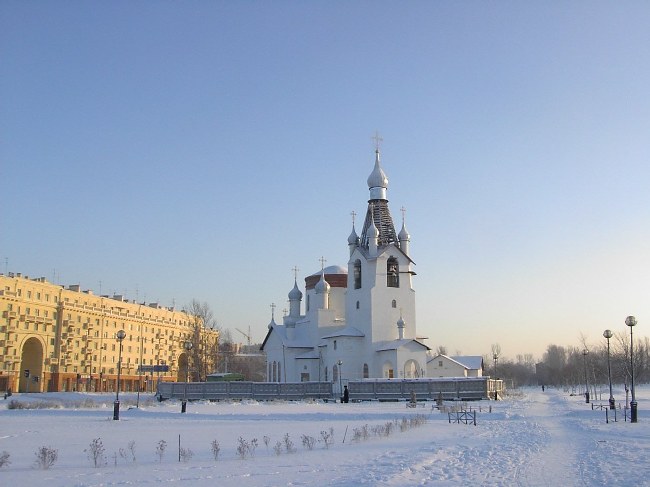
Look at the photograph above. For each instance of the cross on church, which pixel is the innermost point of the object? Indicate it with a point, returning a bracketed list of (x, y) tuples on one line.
[(272, 310), (354, 214), (295, 272), (403, 210), (322, 263), (378, 140)]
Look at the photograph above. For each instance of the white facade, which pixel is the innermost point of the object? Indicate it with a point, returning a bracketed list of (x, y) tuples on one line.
[(457, 366), (359, 320)]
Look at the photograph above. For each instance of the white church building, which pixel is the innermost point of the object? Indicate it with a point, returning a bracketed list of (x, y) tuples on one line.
[(358, 321)]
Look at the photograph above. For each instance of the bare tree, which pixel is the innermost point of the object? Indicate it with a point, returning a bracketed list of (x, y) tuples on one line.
[(204, 336)]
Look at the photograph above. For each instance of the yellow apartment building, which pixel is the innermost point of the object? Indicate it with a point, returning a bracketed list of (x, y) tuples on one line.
[(54, 338)]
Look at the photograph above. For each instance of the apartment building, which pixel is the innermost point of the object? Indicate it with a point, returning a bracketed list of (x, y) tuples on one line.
[(56, 338)]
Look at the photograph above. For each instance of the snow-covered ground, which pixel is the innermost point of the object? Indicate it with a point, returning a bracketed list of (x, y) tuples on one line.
[(532, 438)]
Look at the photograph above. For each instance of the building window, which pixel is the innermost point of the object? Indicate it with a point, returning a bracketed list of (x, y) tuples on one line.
[(439, 363), (334, 344), (394, 303), (357, 304), (335, 373), (366, 373), (392, 272), (357, 274)]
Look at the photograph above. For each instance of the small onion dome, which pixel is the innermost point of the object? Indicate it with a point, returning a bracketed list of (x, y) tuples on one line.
[(322, 286), (377, 178), (403, 233), (353, 239), (373, 231), (295, 294)]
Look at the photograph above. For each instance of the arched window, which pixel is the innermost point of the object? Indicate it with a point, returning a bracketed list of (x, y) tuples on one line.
[(394, 303), (335, 373), (392, 272), (279, 372), (308, 302), (366, 373), (326, 373), (357, 274), (334, 344), (357, 304)]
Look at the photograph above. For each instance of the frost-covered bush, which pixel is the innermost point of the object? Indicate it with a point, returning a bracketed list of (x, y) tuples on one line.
[(45, 457), (96, 452), (214, 446)]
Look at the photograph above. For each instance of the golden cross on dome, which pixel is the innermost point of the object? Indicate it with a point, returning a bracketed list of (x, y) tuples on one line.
[(378, 140), (295, 272), (322, 263)]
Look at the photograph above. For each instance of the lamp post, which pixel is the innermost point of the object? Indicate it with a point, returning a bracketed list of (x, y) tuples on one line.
[(340, 363), (116, 405), (188, 346), (612, 404), (631, 322), (496, 393), (584, 354)]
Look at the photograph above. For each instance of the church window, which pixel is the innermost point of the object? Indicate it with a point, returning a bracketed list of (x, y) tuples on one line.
[(394, 303), (335, 373), (366, 374), (357, 304), (357, 274), (308, 302), (334, 344), (392, 272), (326, 373)]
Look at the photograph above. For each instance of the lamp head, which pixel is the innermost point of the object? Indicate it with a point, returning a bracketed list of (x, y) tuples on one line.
[(608, 334), (120, 335), (630, 321)]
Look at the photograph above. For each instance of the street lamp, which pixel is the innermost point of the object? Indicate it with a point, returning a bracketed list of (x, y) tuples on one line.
[(116, 405), (584, 354), (188, 346), (496, 394), (631, 322), (612, 404), (340, 363)]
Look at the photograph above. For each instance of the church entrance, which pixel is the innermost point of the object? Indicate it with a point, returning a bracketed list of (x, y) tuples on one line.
[(411, 369)]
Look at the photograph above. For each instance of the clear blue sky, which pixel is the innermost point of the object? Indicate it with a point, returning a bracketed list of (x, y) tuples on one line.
[(201, 149)]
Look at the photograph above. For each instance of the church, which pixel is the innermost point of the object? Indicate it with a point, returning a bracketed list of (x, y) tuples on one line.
[(359, 320)]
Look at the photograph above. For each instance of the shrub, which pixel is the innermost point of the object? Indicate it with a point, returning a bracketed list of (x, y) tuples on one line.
[(215, 449), (96, 452), (278, 448), (4, 459), (288, 444), (45, 457), (308, 442), (243, 448), (160, 449), (185, 454), (327, 437)]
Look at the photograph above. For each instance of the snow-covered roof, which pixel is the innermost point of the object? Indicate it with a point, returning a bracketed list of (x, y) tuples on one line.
[(332, 269), (395, 344), (348, 331), (470, 362), (474, 362)]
